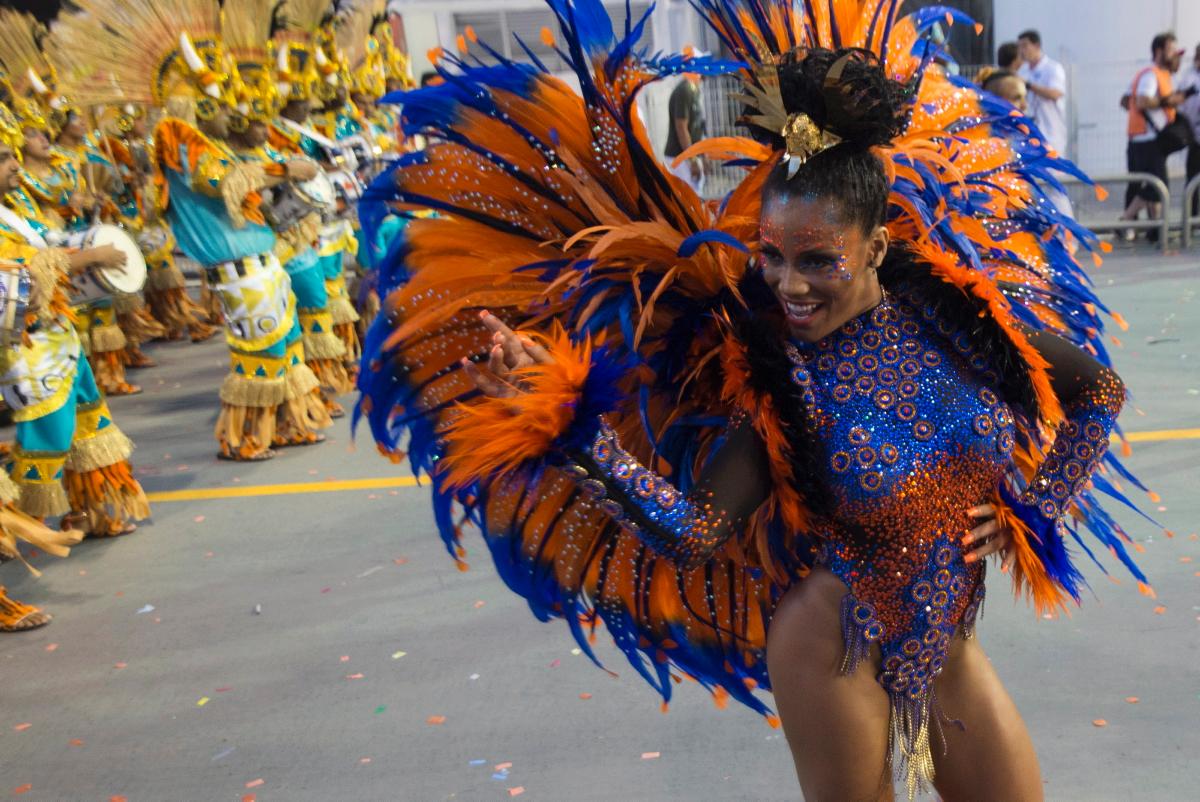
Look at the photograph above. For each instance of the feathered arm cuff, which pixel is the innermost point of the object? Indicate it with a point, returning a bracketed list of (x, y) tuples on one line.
[(239, 188), (558, 410), (49, 274), (1035, 516)]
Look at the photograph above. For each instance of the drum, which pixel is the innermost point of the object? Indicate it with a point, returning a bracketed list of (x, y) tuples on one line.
[(289, 203), (14, 303), (349, 188), (100, 283)]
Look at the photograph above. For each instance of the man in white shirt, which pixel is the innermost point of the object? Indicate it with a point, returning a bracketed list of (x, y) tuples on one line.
[(1189, 86), (1046, 82)]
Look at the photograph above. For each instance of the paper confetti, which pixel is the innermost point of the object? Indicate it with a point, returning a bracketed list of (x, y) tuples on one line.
[(651, 755), (1099, 722), (362, 761), (473, 677), (479, 604), (576, 651), (202, 701), (256, 783), (1159, 610), (225, 689), (436, 720), (585, 696), (500, 775), (22, 789), (380, 709), (22, 727), (555, 663), (520, 789), (149, 608), (1133, 700), (345, 658), (224, 753), (503, 766), (249, 798), (401, 561), (370, 571), (51, 647), (76, 742), (199, 519), (354, 676), (118, 799), (478, 762), (398, 655)]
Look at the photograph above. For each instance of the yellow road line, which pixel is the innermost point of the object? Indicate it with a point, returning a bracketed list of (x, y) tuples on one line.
[(394, 482), (1164, 434), (252, 491)]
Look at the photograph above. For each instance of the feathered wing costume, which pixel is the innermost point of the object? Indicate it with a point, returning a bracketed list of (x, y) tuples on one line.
[(553, 212)]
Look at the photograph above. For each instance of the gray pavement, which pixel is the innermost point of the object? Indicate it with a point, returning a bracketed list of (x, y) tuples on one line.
[(298, 645)]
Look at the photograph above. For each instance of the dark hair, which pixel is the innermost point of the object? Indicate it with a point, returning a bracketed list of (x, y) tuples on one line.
[(993, 77), (1160, 42), (1007, 53), (1031, 36), (845, 92)]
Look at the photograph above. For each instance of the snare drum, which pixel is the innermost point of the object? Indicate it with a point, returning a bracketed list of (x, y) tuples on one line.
[(14, 303), (100, 283)]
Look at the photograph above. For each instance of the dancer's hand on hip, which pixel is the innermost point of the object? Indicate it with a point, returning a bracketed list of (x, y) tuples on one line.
[(989, 538)]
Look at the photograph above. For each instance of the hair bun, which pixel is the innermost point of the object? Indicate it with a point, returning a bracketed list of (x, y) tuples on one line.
[(845, 92)]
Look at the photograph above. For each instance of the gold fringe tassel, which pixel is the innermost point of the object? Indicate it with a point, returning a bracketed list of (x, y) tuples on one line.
[(241, 391), (43, 499), (107, 338), (106, 447), (245, 432), (108, 497)]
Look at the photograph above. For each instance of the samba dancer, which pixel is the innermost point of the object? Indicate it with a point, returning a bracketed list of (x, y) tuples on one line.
[(768, 443)]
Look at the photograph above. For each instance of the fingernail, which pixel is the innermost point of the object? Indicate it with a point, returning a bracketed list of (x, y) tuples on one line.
[(966, 541), (1004, 569), (970, 558)]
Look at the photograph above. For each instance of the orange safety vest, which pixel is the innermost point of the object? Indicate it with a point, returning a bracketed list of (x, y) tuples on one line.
[(1137, 121)]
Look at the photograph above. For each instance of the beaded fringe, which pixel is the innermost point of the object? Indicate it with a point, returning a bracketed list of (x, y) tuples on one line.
[(242, 391), (106, 447), (43, 500)]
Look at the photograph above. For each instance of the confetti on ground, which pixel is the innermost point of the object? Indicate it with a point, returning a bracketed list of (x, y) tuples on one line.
[(119, 665), (576, 652), (76, 742), (345, 658), (22, 727), (651, 755), (225, 689), (202, 701), (585, 696), (372, 497), (380, 709), (500, 775), (478, 762), (503, 766), (401, 561), (22, 789), (1185, 559), (118, 799), (51, 647), (1099, 722), (354, 676), (149, 608), (258, 609), (555, 663), (473, 677), (326, 590), (479, 604), (209, 554), (256, 783), (1133, 700), (370, 571), (199, 519), (1159, 610), (224, 753), (249, 798), (398, 655), (436, 720), (520, 789)]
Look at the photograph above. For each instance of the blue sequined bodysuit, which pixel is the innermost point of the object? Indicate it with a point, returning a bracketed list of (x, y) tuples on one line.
[(913, 434)]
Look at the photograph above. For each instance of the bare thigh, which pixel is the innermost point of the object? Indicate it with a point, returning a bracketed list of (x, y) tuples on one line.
[(991, 757), (836, 726)]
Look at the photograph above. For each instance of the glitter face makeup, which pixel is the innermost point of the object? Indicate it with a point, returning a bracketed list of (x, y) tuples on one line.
[(818, 267)]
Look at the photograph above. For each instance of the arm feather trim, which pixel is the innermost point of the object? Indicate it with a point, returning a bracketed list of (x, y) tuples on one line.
[(1039, 550), (945, 265), (239, 190), (49, 272), (558, 410)]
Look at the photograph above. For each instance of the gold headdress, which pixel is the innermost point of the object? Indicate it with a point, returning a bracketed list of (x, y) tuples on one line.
[(10, 130), (246, 32), (31, 76), (395, 62), (301, 65), (362, 51), (147, 52)]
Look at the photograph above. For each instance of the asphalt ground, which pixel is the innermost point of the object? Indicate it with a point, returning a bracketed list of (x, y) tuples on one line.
[(293, 630)]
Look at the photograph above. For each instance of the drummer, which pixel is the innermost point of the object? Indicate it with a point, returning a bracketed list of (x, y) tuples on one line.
[(310, 344), (70, 458)]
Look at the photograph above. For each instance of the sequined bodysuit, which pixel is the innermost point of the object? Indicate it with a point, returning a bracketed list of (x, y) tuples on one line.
[(913, 435)]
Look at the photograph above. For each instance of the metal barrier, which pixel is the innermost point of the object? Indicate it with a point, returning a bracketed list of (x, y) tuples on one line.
[(1190, 193), (1163, 224)]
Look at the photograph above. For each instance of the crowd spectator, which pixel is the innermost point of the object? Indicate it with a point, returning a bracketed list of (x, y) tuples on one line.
[(1189, 86), (1008, 57), (1152, 104), (687, 127), (1046, 82)]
